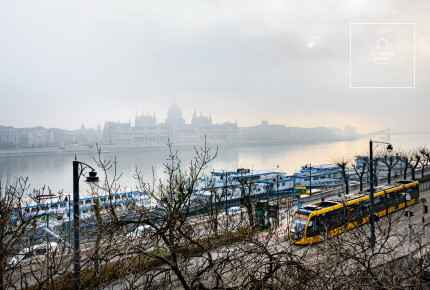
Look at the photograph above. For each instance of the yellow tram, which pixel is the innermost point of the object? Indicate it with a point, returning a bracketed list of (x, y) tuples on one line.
[(336, 216)]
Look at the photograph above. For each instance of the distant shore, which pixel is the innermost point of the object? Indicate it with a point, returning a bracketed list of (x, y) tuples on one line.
[(120, 148)]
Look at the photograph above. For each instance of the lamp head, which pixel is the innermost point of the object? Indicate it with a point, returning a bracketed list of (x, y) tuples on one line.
[(389, 148), (92, 177)]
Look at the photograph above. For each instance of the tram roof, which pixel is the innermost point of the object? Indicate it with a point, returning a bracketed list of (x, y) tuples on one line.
[(357, 197)]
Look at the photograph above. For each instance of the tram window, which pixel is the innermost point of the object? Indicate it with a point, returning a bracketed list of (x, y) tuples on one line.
[(322, 223), (332, 220), (379, 204), (415, 192), (312, 229), (353, 211), (392, 199), (341, 216)]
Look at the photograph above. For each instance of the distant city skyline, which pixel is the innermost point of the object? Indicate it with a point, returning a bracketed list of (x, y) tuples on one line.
[(188, 119), (146, 131)]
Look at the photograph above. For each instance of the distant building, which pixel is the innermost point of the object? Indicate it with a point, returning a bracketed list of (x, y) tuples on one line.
[(145, 120), (279, 133), (148, 132), (350, 133)]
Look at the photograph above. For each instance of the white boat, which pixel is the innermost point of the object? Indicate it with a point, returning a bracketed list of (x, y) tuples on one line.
[(232, 185), (55, 209), (320, 175)]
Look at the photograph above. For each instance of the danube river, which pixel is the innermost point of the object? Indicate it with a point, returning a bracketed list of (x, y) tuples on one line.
[(55, 171)]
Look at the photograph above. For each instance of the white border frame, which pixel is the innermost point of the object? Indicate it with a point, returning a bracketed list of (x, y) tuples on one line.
[(350, 60)]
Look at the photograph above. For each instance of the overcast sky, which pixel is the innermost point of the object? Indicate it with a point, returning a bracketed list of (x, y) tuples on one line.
[(67, 63)]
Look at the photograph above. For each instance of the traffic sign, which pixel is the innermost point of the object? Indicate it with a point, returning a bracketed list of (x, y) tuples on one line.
[(408, 213), (299, 204), (423, 200)]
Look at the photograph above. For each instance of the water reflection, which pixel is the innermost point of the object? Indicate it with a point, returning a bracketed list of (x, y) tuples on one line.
[(56, 170)]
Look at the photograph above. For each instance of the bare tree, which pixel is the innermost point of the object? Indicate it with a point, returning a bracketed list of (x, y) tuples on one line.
[(342, 162), (405, 158), (24, 238), (248, 187), (186, 243), (415, 158), (13, 226), (171, 225), (110, 186), (390, 162), (360, 168), (425, 159)]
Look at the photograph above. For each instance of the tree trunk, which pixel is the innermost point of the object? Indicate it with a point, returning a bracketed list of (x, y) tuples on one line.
[(346, 186), (214, 213), (98, 237), (389, 175)]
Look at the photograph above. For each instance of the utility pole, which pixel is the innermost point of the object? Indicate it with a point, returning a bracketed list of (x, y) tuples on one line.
[(371, 192), (408, 199), (372, 221), (410, 225)]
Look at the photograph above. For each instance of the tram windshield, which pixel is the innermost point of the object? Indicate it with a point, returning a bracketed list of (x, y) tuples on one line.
[(299, 222)]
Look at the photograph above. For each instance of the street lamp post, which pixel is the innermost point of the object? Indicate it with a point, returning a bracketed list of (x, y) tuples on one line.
[(78, 168), (225, 192), (277, 199), (310, 177), (371, 217)]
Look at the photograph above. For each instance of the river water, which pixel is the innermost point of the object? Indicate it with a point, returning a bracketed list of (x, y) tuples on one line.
[(55, 171)]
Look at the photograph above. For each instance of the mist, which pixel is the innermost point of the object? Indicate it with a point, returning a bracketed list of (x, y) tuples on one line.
[(67, 63)]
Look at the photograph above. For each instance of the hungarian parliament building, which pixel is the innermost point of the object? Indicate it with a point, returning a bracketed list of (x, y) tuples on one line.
[(147, 132)]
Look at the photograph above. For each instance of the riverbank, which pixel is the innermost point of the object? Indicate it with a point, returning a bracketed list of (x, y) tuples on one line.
[(75, 149)]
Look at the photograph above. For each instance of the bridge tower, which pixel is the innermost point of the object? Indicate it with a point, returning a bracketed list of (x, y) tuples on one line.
[(388, 135)]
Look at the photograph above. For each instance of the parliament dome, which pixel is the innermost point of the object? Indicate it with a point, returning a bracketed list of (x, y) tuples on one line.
[(174, 116)]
